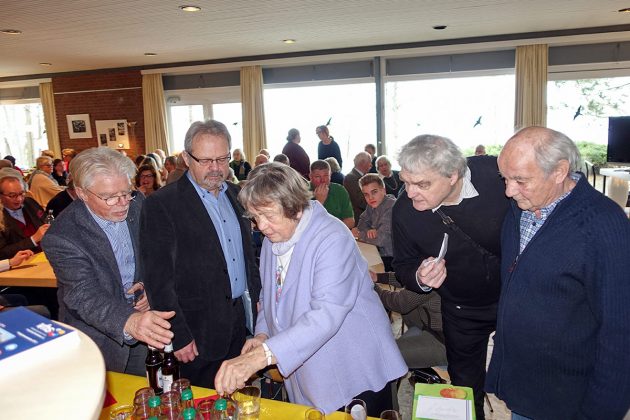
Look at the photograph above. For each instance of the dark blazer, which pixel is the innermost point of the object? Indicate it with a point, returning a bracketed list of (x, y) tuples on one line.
[(351, 183), (12, 239), (185, 268), (91, 296)]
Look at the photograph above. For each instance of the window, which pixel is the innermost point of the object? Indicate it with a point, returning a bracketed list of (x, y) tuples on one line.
[(350, 109), (468, 110), (23, 132), (182, 117), (231, 115)]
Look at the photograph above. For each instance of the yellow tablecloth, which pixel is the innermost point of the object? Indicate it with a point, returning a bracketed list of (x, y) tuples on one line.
[(123, 387)]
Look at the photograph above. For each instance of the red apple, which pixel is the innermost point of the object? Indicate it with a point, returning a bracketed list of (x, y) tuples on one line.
[(453, 393)]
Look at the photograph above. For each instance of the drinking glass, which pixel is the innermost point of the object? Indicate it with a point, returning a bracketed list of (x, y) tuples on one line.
[(356, 410), (314, 414), (121, 412), (170, 404), (204, 408), (390, 415), (248, 401), (180, 385)]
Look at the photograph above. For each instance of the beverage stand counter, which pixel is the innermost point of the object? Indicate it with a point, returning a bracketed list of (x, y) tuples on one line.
[(121, 389)]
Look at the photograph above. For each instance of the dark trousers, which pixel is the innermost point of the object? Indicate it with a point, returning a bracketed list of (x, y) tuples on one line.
[(201, 371), (466, 332), (46, 296), (376, 402)]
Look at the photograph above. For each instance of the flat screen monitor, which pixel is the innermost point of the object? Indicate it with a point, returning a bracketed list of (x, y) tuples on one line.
[(618, 140)]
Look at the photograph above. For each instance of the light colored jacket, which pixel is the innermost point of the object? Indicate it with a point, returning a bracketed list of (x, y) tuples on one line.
[(329, 331)]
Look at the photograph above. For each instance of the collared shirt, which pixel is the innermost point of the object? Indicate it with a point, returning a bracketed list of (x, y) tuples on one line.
[(468, 191), (225, 222), (17, 214), (530, 224), (120, 239)]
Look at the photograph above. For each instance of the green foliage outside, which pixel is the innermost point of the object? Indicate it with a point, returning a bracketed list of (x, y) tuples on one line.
[(593, 152)]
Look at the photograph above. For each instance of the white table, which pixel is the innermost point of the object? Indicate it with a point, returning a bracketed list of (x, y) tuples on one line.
[(619, 184), (68, 386)]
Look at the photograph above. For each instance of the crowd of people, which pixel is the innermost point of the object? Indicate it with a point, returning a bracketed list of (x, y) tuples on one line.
[(163, 249)]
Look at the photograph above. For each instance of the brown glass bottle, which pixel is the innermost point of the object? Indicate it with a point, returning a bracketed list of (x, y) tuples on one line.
[(170, 368), (153, 364)]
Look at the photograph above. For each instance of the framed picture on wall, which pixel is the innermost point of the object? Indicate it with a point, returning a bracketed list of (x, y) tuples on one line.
[(112, 133), (79, 126)]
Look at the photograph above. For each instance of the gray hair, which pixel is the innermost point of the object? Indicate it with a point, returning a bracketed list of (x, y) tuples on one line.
[(275, 183), (431, 152), (381, 158), (293, 133), (212, 127), (282, 158), (96, 161), (334, 165), (550, 147), (42, 160), (10, 173), (362, 157)]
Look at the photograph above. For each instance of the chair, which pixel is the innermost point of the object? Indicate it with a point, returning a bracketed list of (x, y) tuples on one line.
[(590, 169)]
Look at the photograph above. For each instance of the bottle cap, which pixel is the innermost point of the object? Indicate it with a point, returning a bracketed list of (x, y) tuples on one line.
[(155, 401), (220, 404), (189, 413), (187, 394), (168, 348)]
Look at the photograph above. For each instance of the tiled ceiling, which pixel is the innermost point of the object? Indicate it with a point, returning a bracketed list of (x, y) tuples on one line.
[(93, 34)]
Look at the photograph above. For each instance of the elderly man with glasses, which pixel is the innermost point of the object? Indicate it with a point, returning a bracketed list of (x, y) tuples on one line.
[(93, 249), (43, 187), (198, 256)]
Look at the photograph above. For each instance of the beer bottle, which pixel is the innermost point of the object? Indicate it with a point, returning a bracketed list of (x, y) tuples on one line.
[(170, 367), (153, 364)]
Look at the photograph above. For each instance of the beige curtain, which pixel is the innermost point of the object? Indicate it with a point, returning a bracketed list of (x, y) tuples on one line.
[(253, 111), (531, 86), (155, 125), (50, 117)]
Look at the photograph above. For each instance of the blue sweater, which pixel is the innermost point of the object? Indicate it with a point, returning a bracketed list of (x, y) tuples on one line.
[(562, 344)]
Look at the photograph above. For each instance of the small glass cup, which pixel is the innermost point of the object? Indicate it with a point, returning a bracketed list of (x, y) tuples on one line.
[(248, 401), (121, 412), (171, 404), (390, 415), (180, 385), (314, 414), (356, 410), (204, 408)]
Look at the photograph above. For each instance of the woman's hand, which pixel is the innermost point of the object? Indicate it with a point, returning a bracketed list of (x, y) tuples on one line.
[(20, 257), (233, 373), (252, 343)]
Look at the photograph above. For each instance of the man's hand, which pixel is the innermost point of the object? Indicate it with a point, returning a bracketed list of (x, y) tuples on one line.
[(20, 257), (372, 233), (252, 343), (37, 236), (142, 305), (321, 193), (150, 327), (188, 353), (431, 274)]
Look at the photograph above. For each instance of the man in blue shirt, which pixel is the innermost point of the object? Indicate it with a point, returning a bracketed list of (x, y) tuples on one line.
[(198, 256)]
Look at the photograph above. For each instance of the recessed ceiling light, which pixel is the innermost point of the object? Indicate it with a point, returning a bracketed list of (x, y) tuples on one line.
[(624, 10), (439, 27), (45, 64), (150, 54), (289, 41), (188, 8), (11, 31)]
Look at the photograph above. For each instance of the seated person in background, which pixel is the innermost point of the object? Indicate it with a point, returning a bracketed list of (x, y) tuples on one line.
[(147, 180), (422, 345), (9, 301), (59, 173), (62, 200), (170, 163), (180, 169), (335, 171), (5, 163), (239, 165), (139, 159), (260, 159), (375, 223), (333, 197), (12, 160), (393, 184), (21, 219), (371, 149), (67, 155), (265, 152), (42, 185), (362, 164), (93, 249), (282, 158), (480, 150)]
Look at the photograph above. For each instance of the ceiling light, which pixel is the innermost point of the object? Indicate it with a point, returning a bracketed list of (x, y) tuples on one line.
[(624, 10), (11, 31), (45, 64), (439, 27), (150, 54), (188, 8), (289, 41)]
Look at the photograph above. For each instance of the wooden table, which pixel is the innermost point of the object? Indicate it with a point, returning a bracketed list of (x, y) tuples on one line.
[(122, 388), (35, 272)]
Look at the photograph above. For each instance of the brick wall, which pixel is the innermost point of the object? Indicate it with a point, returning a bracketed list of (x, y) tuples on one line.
[(104, 96)]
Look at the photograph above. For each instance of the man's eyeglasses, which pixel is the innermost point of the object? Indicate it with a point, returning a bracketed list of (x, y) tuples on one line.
[(115, 199), (207, 162), (13, 196)]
